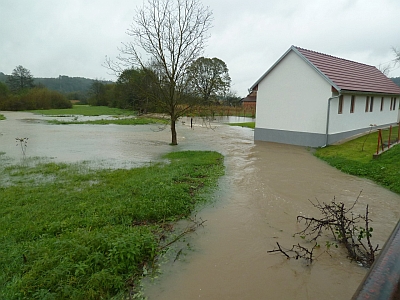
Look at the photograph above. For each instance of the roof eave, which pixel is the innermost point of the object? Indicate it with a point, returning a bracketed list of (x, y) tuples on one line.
[(369, 93)]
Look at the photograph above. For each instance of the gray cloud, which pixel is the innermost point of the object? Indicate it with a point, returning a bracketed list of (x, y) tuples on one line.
[(73, 37)]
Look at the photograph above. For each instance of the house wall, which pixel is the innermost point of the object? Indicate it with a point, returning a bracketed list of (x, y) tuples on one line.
[(360, 119), (292, 104), (348, 124)]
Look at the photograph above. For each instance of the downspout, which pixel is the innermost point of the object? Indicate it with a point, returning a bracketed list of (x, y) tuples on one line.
[(327, 119)]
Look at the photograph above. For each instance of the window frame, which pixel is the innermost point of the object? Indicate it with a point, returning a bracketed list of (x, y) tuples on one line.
[(367, 104), (340, 105), (371, 104), (352, 103)]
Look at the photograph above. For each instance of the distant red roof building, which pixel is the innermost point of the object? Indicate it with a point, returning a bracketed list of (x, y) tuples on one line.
[(250, 101)]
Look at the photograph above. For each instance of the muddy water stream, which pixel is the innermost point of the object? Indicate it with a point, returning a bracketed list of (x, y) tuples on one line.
[(265, 187)]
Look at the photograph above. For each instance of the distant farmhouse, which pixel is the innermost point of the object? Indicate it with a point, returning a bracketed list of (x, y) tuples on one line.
[(250, 101), (312, 99)]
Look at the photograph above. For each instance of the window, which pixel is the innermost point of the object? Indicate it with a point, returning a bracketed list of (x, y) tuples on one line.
[(340, 107), (382, 101), (353, 100), (367, 104), (371, 104), (393, 101)]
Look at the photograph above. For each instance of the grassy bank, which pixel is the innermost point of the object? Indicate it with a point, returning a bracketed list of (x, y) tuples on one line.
[(68, 232), (355, 157), (85, 110)]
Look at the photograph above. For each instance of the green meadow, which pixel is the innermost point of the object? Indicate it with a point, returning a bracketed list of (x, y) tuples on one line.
[(356, 157), (71, 232)]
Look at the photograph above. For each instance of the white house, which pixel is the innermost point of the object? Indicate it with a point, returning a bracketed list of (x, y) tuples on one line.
[(313, 99)]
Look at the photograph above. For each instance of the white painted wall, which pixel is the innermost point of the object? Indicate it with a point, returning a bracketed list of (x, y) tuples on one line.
[(293, 97), (360, 119)]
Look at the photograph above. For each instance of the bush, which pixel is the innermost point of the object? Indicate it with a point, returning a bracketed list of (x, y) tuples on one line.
[(36, 98)]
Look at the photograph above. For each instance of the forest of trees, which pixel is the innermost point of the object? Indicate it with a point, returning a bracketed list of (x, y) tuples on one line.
[(74, 88), (134, 89)]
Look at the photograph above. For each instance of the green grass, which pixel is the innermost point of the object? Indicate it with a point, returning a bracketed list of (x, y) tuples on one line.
[(2, 117), (349, 158), (128, 121), (85, 110), (245, 124), (90, 234)]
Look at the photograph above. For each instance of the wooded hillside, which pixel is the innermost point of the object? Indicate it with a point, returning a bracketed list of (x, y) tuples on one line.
[(63, 84)]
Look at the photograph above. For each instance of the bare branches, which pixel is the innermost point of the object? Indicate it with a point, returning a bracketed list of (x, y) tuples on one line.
[(397, 55), (166, 37), (170, 33), (297, 251), (342, 223)]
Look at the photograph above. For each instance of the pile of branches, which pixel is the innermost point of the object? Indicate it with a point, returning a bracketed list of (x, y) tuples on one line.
[(342, 223)]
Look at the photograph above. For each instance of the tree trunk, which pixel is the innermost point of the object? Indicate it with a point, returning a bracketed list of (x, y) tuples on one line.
[(173, 133)]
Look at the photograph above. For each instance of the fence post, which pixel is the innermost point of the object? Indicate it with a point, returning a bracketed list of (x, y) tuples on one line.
[(390, 133), (379, 140)]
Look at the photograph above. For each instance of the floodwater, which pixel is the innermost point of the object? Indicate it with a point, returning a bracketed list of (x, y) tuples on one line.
[(265, 187)]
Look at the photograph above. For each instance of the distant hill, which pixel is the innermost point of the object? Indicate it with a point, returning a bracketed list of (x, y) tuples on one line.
[(396, 80), (63, 84)]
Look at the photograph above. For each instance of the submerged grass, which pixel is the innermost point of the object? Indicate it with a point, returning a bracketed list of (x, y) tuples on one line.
[(89, 234), (2, 117), (85, 110), (126, 121), (350, 158), (245, 124)]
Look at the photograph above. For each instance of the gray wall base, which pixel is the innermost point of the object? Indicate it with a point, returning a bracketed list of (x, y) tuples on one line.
[(289, 137), (306, 138)]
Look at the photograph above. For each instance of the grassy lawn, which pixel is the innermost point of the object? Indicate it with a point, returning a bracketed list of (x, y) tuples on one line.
[(68, 232), (350, 158), (246, 124), (85, 110), (2, 117)]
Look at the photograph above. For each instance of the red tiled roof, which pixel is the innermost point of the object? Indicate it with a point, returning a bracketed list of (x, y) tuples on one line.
[(350, 75)]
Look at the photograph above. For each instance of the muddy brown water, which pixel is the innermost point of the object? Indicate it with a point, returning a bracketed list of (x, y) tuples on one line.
[(265, 187)]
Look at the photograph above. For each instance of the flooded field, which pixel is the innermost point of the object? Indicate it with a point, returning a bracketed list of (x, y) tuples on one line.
[(265, 187)]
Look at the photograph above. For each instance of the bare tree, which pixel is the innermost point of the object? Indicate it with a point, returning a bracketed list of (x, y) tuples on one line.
[(167, 36), (385, 68), (397, 54)]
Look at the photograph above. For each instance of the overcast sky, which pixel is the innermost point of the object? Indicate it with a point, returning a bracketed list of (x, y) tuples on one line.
[(73, 37)]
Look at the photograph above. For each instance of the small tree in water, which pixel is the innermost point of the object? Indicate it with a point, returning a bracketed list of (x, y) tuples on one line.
[(167, 36)]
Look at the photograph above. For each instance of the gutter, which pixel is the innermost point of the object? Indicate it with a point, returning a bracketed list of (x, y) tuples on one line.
[(327, 119)]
